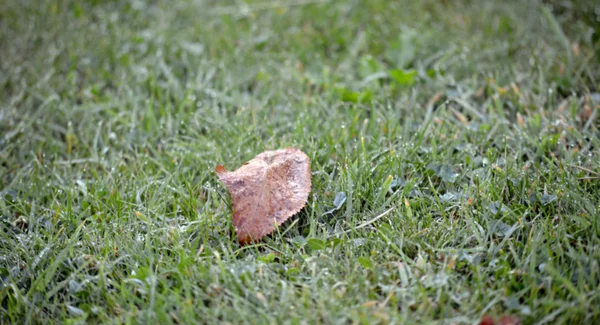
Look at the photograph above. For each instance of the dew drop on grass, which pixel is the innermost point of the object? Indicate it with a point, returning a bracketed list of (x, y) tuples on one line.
[(75, 311)]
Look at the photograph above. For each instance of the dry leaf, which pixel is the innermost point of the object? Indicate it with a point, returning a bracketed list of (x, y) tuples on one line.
[(509, 320), (370, 303), (504, 320), (487, 320), (520, 120), (261, 297), (266, 191)]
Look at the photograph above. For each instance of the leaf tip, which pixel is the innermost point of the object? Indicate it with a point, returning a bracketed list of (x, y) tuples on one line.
[(220, 169)]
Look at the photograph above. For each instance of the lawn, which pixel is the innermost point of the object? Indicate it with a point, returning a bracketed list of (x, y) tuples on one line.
[(454, 147)]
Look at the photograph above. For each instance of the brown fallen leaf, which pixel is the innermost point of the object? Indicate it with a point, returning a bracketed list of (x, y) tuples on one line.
[(487, 320), (370, 303), (266, 191), (504, 320), (509, 320)]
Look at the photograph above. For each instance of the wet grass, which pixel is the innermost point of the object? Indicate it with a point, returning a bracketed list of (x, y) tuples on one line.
[(472, 125)]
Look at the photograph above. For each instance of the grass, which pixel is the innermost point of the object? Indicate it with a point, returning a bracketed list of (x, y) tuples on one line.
[(475, 123)]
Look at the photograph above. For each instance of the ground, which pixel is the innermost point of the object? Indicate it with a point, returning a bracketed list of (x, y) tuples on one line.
[(463, 135)]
